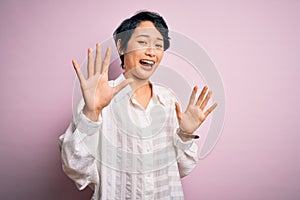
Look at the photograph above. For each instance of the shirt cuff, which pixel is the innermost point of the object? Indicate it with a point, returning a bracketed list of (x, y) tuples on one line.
[(86, 126), (181, 144)]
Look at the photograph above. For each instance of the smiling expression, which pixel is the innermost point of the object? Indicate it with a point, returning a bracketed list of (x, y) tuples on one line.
[(144, 51)]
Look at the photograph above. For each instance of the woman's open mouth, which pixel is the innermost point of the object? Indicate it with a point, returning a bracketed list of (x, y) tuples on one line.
[(147, 63)]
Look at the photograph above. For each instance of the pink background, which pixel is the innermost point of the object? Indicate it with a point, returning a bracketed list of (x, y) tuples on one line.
[(254, 44)]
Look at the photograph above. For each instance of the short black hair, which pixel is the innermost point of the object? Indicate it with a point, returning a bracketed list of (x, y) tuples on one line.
[(127, 27)]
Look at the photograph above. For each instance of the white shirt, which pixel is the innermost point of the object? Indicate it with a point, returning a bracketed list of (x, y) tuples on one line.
[(131, 152)]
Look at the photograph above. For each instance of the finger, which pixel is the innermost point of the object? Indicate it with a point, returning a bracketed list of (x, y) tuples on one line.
[(210, 109), (106, 61), (205, 101), (178, 111), (78, 71), (122, 85), (90, 66), (201, 96), (98, 58), (193, 95)]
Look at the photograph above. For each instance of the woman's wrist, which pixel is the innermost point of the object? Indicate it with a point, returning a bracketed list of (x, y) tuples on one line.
[(186, 136), (93, 115)]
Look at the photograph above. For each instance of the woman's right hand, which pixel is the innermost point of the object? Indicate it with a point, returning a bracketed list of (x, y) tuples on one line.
[(96, 92)]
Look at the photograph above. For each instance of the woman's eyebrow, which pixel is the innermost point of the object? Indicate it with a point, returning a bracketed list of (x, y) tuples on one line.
[(148, 36)]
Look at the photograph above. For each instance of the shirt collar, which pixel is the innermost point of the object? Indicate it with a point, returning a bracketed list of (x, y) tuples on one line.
[(157, 96)]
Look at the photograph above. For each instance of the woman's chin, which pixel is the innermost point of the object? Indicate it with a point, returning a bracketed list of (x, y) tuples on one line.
[(144, 73), (141, 72)]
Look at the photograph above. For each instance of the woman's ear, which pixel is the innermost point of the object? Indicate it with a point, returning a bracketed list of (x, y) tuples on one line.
[(121, 52)]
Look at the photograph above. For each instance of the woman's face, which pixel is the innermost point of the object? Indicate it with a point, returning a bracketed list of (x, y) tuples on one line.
[(144, 52)]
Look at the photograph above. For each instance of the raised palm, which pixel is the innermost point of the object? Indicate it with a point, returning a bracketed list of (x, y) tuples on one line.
[(194, 115), (96, 91)]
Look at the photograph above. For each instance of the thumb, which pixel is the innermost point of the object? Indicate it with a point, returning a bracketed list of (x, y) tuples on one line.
[(178, 111), (122, 85)]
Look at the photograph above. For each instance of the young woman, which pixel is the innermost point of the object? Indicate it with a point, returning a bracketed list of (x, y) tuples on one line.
[(129, 139)]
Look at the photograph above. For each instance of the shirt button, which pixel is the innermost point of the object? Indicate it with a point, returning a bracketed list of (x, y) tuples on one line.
[(148, 148), (149, 175)]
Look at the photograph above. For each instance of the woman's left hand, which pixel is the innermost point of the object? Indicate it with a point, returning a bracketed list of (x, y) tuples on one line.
[(194, 115)]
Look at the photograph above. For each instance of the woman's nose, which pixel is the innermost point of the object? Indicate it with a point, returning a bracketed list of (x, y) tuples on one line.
[(150, 51)]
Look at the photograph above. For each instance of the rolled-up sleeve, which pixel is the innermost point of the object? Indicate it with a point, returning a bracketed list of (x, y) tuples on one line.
[(78, 147), (187, 155)]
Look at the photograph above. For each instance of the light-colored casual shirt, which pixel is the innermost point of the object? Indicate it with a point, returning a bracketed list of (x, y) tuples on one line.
[(131, 152)]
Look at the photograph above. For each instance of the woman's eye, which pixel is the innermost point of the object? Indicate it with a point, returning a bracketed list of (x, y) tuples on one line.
[(142, 42), (159, 46)]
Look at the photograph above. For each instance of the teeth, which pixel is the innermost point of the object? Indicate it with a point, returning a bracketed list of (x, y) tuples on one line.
[(148, 62)]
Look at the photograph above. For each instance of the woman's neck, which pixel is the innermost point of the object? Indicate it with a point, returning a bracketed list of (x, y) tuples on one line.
[(138, 84), (142, 90), (143, 95)]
